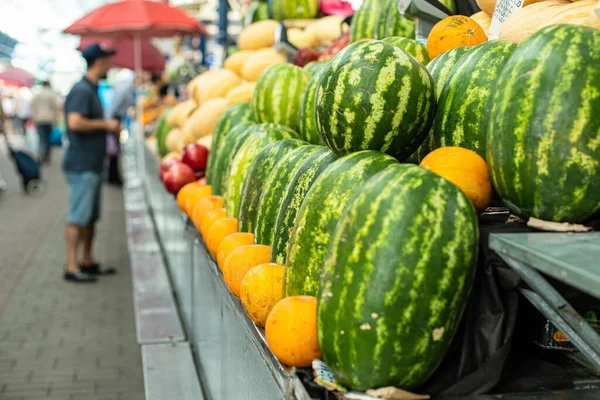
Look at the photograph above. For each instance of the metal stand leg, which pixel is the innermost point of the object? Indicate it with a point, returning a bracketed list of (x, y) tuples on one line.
[(547, 299)]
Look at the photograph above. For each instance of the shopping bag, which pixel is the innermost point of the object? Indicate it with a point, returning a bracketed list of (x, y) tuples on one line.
[(56, 137)]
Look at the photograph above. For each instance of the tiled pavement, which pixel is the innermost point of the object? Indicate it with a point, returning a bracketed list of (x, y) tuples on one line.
[(60, 340)]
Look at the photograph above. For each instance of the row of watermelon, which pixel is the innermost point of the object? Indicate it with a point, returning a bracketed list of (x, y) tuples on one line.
[(330, 215)]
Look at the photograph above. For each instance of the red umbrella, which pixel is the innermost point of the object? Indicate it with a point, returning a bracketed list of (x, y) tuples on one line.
[(143, 18), (17, 77), (152, 58)]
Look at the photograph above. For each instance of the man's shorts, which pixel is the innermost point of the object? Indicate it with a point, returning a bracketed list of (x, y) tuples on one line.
[(84, 197)]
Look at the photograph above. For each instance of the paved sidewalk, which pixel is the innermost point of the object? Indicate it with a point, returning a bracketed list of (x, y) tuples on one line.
[(60, 340)]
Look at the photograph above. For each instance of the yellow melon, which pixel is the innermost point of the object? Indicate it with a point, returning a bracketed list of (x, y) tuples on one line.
[(484, 20), (202, 121), (235, 62), (241, 94), (175, 140), (524, 22), (206, 141), (259, 61), (258, 35), (574, 13), (219, 84), (325, 30), (488, 6), (298, 38), (180, 113), (198, 81), (594, 18)]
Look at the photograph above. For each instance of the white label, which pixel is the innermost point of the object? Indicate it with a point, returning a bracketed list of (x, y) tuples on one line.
[(501, 13)]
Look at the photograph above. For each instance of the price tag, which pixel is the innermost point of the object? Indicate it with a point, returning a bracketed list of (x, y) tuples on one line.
[(501, 13)]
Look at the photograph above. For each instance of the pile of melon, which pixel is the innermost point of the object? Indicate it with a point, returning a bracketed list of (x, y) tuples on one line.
[(537, 14)]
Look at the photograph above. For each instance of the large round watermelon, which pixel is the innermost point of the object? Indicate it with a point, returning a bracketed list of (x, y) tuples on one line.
[(543, 145), (315, 67), (259, 171), (392, 23), (231, 117), (294, 9), (222, 157), (364, 21), (396, 279), (411, 46), (277, 95), (439, 68), (292, 197), (374, 96), (308, 124), (262, 135), (319, 214), (274, 189), (463, 114)]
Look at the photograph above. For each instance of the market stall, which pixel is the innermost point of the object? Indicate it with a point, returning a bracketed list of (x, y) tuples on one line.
[(342, 216)]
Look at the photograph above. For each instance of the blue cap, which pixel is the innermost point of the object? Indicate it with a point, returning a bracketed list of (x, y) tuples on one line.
[(95, 51)]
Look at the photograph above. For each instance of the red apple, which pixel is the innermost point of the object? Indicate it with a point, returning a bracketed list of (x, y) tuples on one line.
[(196, 156), (177, 177), (200, 174), (166, 164)]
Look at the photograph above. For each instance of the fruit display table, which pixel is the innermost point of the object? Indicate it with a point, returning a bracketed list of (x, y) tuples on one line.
[(231, 354), (567, 257)]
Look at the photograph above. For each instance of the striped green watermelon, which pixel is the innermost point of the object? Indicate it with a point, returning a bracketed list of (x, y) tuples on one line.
[(277, 94), (308, 124), (231, 117), (319, 214), (258, 172), (463, 113), (543, 145), (396, 279), (294, 9), (364, 21), (161, 132), (439, 68), (392, 23), (302, 178), (373, 96), (274, 189), (262, 135), (314, 67), (229, 146), (411, 46)]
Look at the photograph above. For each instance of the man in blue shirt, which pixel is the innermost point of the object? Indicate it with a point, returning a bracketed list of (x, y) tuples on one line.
[(83, 163)]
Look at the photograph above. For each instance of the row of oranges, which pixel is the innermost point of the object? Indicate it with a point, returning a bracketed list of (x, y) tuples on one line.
[(290, 323)]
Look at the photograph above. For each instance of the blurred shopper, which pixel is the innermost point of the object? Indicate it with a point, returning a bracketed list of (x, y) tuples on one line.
[(9, 104), (83, 163), (122, 100), (23, 111), (44, 112)]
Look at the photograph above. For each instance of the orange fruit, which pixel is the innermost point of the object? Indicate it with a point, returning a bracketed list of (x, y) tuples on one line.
[(231, 243), (219, 231), (291, 331), (261, 289), (464, 168), (184, 194), (454, 31), (203, 206), (240, 261), (208, 219), (197, 194)]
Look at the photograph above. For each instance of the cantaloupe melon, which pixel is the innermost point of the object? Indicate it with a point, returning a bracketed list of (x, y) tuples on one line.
[(180, 113), (258, 35), (218, 85), (484, 20), (235, 62), (241, 94), (259, 61), (524, 22), (202, 121)]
